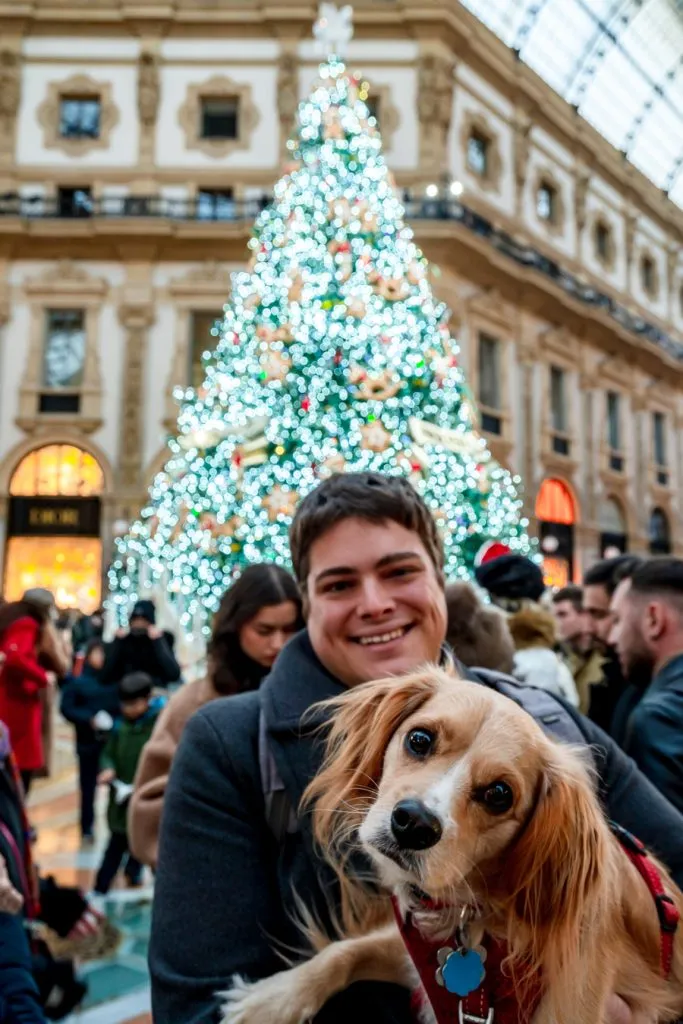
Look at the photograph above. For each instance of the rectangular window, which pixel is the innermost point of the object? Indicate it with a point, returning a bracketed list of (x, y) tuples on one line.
[(201, 341), (558, 400), (215, 204), (489, 374), (546, 203), (74, 201), (659, 438), (220, 117), (64, 350), (613, 421), (79, 117), (478, 154)]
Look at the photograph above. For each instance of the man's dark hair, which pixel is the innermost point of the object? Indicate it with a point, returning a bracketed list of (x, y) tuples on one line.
[(373, 497), (611, 571), (572, 593), (661, 576)]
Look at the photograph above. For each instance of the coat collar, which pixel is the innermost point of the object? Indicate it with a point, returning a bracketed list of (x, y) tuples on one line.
[(297, 681), (670, 676)]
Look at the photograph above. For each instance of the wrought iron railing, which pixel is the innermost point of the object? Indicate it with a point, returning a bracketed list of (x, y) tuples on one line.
[(222, 209)]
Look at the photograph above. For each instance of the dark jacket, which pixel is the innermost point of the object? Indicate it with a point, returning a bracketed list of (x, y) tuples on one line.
[(19, 996), (224, 890), (82, 697), (122, 753), (605, 695), (654, 734), (137, 652)]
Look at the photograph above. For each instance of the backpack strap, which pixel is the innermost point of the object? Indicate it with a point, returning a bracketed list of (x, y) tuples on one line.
[(280, 815), (546, 709)]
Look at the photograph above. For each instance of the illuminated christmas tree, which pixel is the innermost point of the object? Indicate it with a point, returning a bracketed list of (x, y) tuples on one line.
[(334, 356)]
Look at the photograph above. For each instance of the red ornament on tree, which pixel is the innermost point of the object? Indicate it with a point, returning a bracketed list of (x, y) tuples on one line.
[(338, 357), (306, 404)]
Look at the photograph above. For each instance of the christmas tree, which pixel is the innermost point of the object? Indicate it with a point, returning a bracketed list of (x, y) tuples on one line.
[(334, 356)]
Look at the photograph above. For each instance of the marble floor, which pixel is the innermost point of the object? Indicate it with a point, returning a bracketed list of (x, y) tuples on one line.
[(118, 988)]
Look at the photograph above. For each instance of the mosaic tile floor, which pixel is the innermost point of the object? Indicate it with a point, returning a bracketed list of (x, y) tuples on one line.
[(118, 988)]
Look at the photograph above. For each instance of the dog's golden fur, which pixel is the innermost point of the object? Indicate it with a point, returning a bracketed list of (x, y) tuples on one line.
[(548, 877)]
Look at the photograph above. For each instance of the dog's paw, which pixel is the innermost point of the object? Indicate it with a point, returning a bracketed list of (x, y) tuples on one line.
[(275, 1000)]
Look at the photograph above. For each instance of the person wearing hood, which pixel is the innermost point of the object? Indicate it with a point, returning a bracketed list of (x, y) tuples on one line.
[(91, 707), (516, 585), (477, 634), (143, 648)]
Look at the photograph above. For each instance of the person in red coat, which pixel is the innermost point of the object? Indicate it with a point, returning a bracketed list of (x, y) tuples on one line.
[(25, 638)]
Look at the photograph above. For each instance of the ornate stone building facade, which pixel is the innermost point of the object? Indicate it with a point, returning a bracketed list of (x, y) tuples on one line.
[(137, 146)]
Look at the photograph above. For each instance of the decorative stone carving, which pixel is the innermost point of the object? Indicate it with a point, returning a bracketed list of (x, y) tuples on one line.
[(148, 102), (631, 225), (10, 97), (522, 126), (189, 116), (436, 83), (49, 113), (287, 98), (136, 319), (580, 196), (608, 258)]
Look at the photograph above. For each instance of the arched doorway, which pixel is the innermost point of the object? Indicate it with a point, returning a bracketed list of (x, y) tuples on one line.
[(613, 532), (556, 515), (53, 528), (660, 532)]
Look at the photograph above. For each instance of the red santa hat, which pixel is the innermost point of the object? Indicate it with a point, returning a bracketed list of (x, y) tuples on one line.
[(489, 551)]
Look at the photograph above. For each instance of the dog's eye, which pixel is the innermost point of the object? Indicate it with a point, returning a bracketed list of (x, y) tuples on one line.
[(496, 798), (419, 742)]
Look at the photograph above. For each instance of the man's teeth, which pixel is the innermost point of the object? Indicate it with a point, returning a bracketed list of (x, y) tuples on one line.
[(383, 638)]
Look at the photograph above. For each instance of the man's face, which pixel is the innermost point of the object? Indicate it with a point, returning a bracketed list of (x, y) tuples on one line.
[(597, 611), (377, 607), (571, 622), (636, 654)]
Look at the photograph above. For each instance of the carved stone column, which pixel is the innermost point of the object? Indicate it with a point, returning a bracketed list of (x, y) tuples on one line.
[(583, 178), (672, 258), (136, 319), (436, 84), (287, 98), (10, 97), (148, 105), (522, 142)]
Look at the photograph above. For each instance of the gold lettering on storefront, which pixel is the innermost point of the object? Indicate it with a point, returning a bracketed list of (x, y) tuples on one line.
[(53, 517)]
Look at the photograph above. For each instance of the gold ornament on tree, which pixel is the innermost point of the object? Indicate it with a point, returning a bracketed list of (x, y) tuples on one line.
[(375, 437), (373, 388), (280, 502)]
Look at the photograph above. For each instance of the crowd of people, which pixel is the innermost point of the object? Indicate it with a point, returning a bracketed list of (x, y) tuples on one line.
[(205, 790)]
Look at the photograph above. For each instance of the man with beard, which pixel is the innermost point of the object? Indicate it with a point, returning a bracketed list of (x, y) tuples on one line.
[(647, 631), (599, 585)]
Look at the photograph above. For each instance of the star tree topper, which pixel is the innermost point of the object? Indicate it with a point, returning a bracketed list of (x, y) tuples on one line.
[(334, 29)]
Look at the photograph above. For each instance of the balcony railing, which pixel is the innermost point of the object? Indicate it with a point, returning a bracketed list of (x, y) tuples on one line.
[(222, 209)]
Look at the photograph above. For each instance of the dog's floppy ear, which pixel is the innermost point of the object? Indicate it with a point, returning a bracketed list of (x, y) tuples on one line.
[(363, 722), (554, 875)]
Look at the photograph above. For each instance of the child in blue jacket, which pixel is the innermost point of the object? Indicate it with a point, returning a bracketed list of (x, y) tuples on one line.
[(92, 706)]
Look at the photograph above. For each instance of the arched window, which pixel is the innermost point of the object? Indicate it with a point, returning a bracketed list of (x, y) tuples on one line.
[(660, 532), (57, 470), (555, 503)]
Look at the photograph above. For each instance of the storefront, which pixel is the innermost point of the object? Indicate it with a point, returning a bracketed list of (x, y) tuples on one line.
[(54, 527), (556, 516)]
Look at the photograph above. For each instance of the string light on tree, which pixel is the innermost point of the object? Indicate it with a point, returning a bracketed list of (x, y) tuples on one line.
[(334, 356)]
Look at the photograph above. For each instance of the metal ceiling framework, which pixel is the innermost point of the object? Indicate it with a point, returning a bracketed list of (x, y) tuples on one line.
[(618, 62)]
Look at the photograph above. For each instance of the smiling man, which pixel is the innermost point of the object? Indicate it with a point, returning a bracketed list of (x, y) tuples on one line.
[(369, 563)]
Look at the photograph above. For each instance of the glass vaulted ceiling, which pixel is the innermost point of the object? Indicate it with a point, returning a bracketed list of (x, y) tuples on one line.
[(620, 62)]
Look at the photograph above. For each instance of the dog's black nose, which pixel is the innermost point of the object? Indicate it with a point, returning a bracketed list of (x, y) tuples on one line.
[(414, 826)]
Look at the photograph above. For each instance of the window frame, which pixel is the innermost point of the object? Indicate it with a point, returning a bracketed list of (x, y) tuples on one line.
[(492, 414), (215, 137)]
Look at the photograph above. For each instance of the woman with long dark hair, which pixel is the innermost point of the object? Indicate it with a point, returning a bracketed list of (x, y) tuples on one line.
[(256, 617), (33, 660)]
